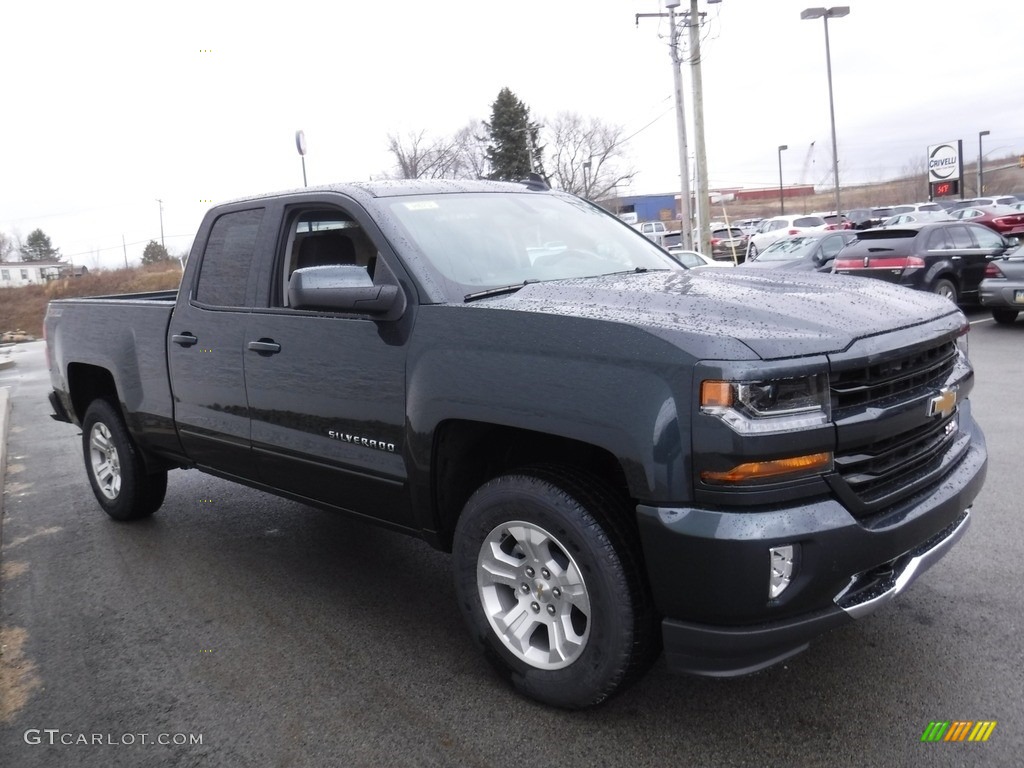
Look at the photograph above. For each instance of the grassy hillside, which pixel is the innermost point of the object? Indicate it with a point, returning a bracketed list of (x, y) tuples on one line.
[(24, 308)]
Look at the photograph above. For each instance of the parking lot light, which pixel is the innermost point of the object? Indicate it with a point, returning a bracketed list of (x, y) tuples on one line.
[(981, 162), (836, 12), (782, 201)]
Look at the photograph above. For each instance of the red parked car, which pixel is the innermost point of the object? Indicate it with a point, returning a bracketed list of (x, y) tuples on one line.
[(1002, 218)]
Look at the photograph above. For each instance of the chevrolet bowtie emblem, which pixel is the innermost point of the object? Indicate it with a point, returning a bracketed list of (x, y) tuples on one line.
[(943, 403)]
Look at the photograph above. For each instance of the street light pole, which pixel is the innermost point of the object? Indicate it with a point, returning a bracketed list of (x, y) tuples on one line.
[(836, 12), (782, 198), (981, 161)]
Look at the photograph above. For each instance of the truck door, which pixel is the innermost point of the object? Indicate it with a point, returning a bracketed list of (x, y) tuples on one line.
[(327, 390), (206, 346)]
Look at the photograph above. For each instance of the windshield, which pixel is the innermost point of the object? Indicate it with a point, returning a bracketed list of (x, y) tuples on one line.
[(789, 249), (489, 240)]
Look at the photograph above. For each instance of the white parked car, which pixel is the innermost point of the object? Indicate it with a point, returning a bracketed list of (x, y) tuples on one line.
[(778, 227), (695, 260)]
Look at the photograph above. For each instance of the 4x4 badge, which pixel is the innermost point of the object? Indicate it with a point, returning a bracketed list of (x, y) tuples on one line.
[(943, 403)]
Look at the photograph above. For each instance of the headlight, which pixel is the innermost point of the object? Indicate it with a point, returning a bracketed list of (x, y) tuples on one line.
[(961, 341), (771, 406)]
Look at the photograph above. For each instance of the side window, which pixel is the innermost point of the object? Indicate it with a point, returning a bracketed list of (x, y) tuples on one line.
[(325, 237), (961, 238), (831, 246), (986, 238), (939, 241), (224, 272)]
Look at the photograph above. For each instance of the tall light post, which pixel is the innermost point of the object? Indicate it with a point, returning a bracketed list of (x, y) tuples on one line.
[(782, 198), (300, 145), (981, 161), (836, 12)]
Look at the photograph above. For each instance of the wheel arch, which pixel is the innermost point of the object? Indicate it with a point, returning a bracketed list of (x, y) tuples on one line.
[(467, 454)]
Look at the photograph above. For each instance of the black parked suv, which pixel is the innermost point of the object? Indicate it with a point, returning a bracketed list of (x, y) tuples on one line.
[(944, 257)]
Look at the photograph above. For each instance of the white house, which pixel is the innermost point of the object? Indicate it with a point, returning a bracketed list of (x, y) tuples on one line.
[(14, 274)]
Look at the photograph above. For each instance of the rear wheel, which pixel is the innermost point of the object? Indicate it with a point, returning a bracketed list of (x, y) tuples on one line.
[(115, 468), (945, 288), (549, 582), (751, 251), (1005, 316)]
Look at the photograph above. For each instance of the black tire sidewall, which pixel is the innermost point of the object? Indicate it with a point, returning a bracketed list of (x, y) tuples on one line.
[(605, 660), (1004, 315), (130, 502)]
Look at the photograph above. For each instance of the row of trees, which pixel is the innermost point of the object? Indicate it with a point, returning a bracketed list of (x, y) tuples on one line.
[(587, 157), (39, 248), (36, 247)]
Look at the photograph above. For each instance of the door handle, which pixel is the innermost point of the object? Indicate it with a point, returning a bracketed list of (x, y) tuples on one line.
[(184, 339), (265, 346)]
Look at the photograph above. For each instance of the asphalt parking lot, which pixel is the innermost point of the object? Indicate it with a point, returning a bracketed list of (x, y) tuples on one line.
[(234, 628)]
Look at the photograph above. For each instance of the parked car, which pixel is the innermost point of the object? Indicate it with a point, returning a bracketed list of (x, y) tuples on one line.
[(729, 244), (1002, 218), (808, 251), (695, 260), (910, 218), (944, 257), (860, 218), (778, 227), (1002, 289), (996, 200), (749, 226), (880, 214), (834, 220)]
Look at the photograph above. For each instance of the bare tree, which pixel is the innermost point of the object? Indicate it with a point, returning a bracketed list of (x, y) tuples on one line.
[(588, 156), (419, 157), (472, 151), (7, 246)]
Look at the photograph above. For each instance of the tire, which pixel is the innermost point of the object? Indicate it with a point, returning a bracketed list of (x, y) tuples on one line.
[(751, 251), (549, 581), (1005, 316), (115, 468), (945, 288)]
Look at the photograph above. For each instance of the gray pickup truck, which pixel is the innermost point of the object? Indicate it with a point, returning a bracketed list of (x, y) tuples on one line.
[(624, 457)]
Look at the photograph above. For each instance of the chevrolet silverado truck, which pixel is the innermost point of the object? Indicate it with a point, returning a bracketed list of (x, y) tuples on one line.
[(623, 456)]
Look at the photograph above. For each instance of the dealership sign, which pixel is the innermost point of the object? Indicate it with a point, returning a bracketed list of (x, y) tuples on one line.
[(945, 168)]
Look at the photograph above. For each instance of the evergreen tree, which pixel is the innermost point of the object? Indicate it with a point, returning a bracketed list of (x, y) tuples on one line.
[(154, 252), (512, 151), (37, 247)]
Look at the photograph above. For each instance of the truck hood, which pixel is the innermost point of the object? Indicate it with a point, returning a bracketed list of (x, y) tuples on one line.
[(775, 315)]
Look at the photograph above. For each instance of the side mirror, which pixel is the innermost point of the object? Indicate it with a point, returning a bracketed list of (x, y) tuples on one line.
[(344, 288)]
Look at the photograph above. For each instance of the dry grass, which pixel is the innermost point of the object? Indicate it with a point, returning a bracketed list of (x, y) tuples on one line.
[(24, 308)]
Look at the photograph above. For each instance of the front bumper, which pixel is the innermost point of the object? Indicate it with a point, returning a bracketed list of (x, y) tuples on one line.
[(709, 569)]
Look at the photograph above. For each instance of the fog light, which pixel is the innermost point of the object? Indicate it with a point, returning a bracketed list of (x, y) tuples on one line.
[(781, 569)]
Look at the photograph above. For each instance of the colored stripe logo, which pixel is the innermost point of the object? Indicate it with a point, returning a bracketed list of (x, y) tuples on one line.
[(958, 730)]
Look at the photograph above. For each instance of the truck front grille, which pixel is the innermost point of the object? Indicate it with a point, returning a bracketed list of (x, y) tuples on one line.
[(882, 381), (908, 448)]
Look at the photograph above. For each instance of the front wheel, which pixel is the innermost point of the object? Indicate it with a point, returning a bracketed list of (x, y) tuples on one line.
[(945, 288), (1005, 316), (116, 471), (549, 582), (751, 251)]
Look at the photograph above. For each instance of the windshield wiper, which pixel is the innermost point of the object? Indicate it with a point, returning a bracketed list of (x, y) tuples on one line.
[(500, 291)]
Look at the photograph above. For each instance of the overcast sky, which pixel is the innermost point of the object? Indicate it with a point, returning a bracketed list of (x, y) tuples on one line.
[(109, 107)]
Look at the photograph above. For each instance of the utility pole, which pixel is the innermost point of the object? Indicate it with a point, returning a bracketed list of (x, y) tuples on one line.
[(701, 191), (161, 202), (686, 228)]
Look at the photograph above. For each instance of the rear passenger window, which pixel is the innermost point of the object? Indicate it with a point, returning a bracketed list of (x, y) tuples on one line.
[(224, 272), (939, 241), (961, 238)]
